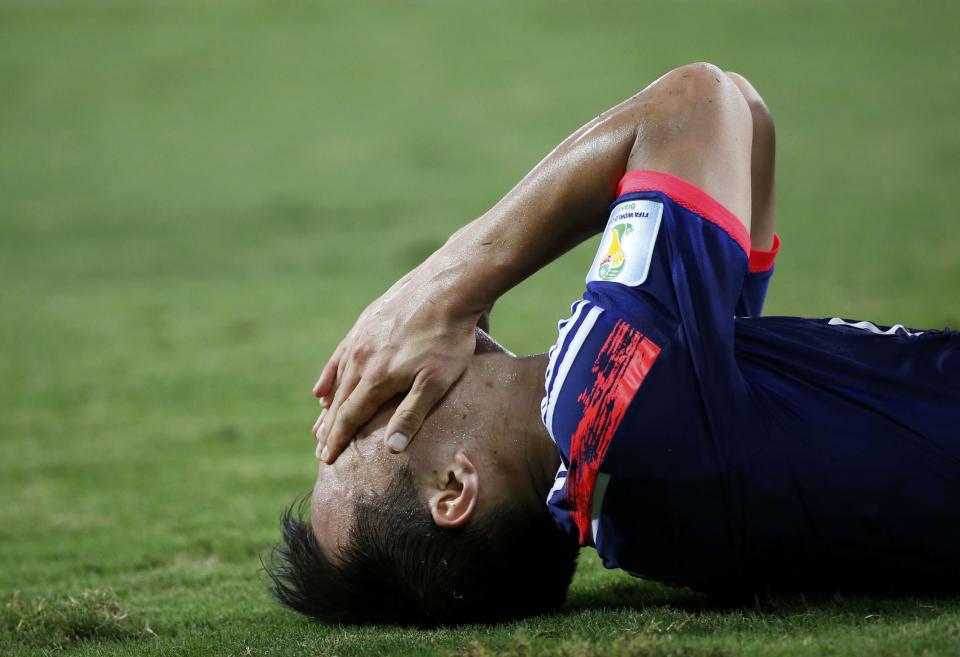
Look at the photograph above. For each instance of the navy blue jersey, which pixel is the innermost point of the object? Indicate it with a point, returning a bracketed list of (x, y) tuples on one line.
[(706, 446)]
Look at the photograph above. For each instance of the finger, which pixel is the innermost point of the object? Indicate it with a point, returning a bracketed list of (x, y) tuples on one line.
[(355, 411), (427, 389), (348, 382), (327, 376), (329, 373), (351, 363), (355, 362), (319, 423)]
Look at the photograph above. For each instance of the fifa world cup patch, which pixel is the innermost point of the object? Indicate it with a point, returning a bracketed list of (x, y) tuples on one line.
[(627, 245)]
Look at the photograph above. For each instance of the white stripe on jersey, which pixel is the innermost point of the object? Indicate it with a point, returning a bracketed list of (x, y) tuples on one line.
[(563, 326), (558, 481), (596, 503), (873, 328), (574, 347)]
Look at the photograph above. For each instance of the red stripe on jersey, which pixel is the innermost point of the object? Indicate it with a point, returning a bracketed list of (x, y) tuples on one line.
[(763, 260), (619, 369), (689, 196)]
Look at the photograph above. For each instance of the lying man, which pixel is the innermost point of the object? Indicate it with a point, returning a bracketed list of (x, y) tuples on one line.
[(686, 438)]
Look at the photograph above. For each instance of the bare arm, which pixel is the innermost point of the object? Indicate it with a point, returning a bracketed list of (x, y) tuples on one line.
[(420, 335), (561, 202)]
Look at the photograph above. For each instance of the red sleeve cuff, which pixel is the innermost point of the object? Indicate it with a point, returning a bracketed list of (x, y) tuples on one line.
[(763, 260)]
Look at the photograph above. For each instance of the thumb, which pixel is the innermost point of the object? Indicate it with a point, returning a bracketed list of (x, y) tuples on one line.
[(424, 394)]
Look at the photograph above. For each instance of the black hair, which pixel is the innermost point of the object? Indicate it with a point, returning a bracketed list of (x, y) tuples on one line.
[(399, 567)]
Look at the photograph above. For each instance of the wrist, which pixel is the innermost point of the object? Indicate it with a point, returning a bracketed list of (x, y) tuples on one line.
[(452, 284)]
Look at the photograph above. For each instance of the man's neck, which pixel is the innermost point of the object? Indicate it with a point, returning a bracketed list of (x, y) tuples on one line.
[(509, 422), (538, 449)]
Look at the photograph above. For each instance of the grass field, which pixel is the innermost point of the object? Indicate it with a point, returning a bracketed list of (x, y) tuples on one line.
[(197, 197)]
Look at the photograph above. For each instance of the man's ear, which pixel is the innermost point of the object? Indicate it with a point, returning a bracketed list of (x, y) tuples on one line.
[(453, 496)]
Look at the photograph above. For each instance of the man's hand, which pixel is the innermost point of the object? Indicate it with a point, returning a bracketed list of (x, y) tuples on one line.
[(413, 338)]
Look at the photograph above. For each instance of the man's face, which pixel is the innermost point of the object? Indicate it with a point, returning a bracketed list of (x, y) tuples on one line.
[(482, 415), (365, 467)]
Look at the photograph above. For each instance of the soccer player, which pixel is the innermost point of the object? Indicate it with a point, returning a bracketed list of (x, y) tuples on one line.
[(685, 437)]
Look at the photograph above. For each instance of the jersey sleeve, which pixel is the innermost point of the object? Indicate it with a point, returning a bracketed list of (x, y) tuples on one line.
[(671, 256), (755, 285)]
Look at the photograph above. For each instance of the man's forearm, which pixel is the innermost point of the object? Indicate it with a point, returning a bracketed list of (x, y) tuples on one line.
[(561, 202)]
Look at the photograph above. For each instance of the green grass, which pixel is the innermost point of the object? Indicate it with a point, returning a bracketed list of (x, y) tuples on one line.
[(197, 197)]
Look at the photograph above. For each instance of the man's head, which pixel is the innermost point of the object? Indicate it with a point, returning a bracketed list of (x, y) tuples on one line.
[(454, 529)]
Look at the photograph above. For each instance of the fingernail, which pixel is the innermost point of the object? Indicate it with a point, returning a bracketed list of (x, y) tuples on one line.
[(319, 451), (320, 431), (397, 442), (323, 454)]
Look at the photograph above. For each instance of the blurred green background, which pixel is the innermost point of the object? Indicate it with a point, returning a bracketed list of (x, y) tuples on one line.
[(197, 197)]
